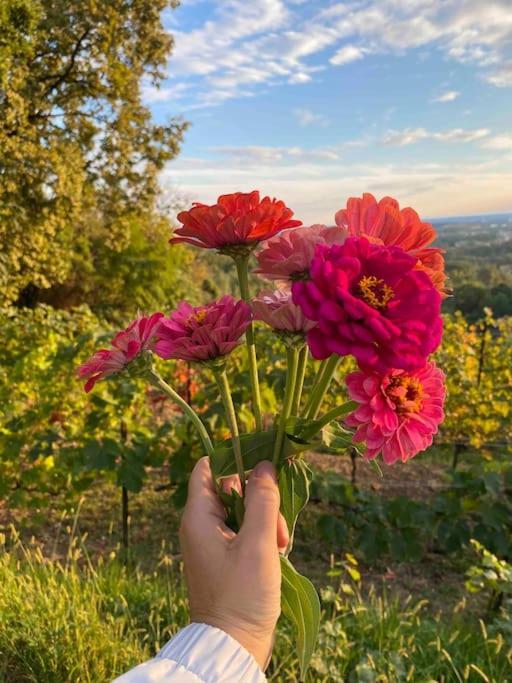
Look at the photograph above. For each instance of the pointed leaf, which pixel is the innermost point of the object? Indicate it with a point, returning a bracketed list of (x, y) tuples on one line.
[(294, 481), (300, 604)]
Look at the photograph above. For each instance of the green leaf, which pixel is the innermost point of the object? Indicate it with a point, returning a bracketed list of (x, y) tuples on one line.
[(255, 448), (301, 605), (294, 482)]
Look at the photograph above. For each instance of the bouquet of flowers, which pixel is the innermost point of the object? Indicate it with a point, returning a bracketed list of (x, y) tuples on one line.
[(369, 287)]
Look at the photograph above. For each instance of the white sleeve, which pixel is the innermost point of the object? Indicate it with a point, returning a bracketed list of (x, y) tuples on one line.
[(198, 654)]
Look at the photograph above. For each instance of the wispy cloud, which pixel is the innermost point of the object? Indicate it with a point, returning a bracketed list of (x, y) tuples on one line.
[(306, 117), (347, 54), (499, 142), (449, 96), (409, 136), (243, 46)]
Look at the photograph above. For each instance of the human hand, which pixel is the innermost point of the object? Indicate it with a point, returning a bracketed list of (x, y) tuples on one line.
[(234, 580)]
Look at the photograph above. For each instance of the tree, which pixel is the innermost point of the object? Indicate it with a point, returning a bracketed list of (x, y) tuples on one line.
[(80, 152)]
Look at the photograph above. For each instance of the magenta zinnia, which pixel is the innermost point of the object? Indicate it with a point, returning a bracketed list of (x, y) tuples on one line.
[(280, 313), (126, 346), (203, 333), (236, 219), (370, 302), (399, 412), (288, 256)]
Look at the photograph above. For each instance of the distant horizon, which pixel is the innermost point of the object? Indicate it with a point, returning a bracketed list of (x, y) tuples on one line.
[(469, 215)]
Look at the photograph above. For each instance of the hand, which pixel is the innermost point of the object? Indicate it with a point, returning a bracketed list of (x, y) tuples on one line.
[(234, 580)]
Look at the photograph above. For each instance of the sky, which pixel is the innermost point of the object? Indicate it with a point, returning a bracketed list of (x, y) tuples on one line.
[(314, 101)]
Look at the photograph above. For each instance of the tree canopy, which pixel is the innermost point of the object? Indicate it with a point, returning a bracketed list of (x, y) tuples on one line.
[(80, 151)]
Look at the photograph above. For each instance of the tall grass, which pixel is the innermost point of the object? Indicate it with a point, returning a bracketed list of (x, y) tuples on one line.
[(73, 621)]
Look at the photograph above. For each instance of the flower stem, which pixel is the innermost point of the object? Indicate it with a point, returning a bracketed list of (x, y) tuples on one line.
[(292, 356), (299, 384), (242, 268), (315, 386), (225, 392), (331, 365), (161, 384)]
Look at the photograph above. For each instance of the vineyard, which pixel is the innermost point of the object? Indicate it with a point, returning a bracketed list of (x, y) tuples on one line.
[(86, 477)]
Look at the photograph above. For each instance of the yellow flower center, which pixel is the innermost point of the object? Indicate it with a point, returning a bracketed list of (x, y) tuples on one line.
[(406, 393), (375, 291), (198, 316)]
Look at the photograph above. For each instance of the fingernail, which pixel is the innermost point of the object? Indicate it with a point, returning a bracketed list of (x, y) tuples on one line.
[(265, 469)]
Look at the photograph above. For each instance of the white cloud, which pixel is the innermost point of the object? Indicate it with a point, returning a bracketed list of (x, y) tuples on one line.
[(499, 142), (259, 154), (245, 45), (449, 96), (409, 136), (502, 77), (347, 54), (306, 117)]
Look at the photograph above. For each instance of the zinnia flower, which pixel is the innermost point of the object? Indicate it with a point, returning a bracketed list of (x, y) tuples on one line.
[(126, 346), (384, 222), (236, 219), (289, 255), (371, 303), (203, 333), (280, 313), (399, 412)]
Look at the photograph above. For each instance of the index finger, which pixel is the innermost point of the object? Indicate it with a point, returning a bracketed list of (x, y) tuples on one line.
[(202, 496)]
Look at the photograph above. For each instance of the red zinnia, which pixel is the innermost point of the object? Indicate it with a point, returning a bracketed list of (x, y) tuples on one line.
[(399, 412), (384, 222), (370, 302), (239, 218)]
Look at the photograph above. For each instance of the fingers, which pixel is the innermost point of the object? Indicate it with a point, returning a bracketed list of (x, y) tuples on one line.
[(230, 483), (283, 536), (202, 499), (261, 506)]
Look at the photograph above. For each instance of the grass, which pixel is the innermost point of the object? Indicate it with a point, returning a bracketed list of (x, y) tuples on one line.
[(75, 621)]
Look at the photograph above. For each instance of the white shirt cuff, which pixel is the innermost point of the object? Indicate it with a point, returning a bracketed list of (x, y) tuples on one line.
[(212, 655)]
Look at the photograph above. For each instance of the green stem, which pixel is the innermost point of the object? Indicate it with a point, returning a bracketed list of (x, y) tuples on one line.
[(225, 392), (315, 386), (301, 373), (329, 371), (242, 268), (292, 356), (161, 384)]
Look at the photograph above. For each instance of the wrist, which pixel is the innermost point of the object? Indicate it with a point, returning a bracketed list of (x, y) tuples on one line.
[(259, 645)]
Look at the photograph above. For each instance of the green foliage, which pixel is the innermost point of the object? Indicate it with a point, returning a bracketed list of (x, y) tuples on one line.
[(477, 362), (80, 152), (53, 437), (475, 503)]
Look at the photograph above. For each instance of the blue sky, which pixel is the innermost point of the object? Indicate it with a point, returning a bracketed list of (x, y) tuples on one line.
[(314, 101)]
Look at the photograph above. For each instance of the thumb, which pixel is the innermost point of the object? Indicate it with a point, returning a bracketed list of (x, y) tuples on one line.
[(261, 506)]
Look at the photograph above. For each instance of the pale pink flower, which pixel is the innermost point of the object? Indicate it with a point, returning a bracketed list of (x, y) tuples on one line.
[(126, 346), (280, 313), (399, 411), (288, 255), (203, 333)]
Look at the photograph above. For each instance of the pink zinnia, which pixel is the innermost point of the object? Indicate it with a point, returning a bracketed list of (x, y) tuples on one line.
[(203, 333), (236, 219), (399, 412), (384, 222), (280, 313), (289, 255), (126, 346), (371, 303)]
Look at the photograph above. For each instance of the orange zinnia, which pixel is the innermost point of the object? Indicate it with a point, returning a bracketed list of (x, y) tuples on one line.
[(384, 222)]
